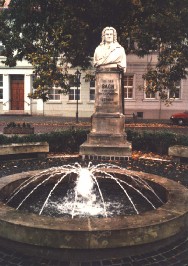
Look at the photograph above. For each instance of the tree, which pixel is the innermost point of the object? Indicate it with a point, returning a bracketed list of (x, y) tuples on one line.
[(53, 34), (163, 27)]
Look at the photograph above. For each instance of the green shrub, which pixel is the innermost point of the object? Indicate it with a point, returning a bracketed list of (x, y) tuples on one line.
[(69, 141), (13, 124), (155, 141), (62, 141)]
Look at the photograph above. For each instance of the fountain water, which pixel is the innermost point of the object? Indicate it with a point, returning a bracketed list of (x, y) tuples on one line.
[(96, 235), (82, 199)]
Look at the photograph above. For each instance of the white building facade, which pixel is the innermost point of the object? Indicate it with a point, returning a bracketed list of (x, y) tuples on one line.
[(16, 84)]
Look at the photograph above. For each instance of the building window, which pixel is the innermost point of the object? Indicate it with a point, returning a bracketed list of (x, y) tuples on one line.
[(73, 94), (149, 94), (73, 90), (176, 94), (92, 90), (1, 87), (128, 86), (140, 114), (54, 94)]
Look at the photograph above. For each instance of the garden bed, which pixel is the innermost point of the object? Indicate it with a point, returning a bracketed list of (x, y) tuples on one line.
[(13, 128)]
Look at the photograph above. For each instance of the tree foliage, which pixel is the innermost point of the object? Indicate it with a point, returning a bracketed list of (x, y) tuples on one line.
[(163, 27), (55, 34)]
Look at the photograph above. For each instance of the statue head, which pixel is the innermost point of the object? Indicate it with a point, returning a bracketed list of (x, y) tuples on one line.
[(114, 34)]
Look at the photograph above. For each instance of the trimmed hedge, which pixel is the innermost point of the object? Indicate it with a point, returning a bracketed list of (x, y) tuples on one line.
[(69, 141), (63, 141), (155, 141)]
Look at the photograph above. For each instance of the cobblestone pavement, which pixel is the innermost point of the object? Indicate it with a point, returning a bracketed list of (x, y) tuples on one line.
[(174, 255)]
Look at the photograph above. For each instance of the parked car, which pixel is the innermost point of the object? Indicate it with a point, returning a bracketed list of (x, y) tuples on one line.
[(180, 118)]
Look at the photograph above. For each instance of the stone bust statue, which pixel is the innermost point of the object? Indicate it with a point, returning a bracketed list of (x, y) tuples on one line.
[(110, 54)]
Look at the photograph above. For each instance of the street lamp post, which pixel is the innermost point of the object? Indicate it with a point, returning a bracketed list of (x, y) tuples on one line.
[(77, 84)]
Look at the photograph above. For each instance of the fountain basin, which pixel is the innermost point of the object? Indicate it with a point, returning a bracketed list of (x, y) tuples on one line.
[(91, 233)]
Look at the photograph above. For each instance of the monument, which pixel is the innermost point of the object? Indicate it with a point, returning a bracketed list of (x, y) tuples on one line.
[(107, 138)]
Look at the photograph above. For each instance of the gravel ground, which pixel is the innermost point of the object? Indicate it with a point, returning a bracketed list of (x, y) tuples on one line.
[(155, 165)]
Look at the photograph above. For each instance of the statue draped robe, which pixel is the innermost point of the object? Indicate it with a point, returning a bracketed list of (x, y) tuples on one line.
[(113, 54)]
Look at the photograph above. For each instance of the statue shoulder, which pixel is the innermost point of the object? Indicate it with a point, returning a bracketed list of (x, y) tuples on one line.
[(118, 45), (99, 49), (120, 48)]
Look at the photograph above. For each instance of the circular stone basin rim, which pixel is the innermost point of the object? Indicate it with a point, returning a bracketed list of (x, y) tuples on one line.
[(97, 233)]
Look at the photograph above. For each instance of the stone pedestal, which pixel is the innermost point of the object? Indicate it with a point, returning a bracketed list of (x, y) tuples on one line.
[(107, 138)]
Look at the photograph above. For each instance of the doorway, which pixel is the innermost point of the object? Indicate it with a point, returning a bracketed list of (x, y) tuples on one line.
[(17, 92)]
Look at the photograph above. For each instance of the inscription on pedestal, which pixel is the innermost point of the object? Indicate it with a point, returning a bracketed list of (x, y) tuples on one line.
[(108, 91)]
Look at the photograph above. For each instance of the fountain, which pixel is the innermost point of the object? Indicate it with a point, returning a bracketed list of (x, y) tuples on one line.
[(85, 224), (86, 235), (86, 197)]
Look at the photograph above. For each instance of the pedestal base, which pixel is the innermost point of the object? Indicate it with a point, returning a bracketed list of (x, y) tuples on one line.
[(107, 139), (108, 152)]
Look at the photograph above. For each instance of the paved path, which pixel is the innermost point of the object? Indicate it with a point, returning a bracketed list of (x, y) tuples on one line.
[(43, 124), (173, 255)]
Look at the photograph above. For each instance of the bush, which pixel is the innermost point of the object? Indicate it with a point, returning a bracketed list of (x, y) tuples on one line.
[(13, 125), (69, 141), (63, 141), (155, 141)]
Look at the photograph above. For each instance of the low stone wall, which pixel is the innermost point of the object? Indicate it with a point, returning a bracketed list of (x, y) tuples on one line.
[(40, 148), (178, 152)]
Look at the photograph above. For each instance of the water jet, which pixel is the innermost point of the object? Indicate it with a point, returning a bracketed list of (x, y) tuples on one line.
[(95, 237)]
